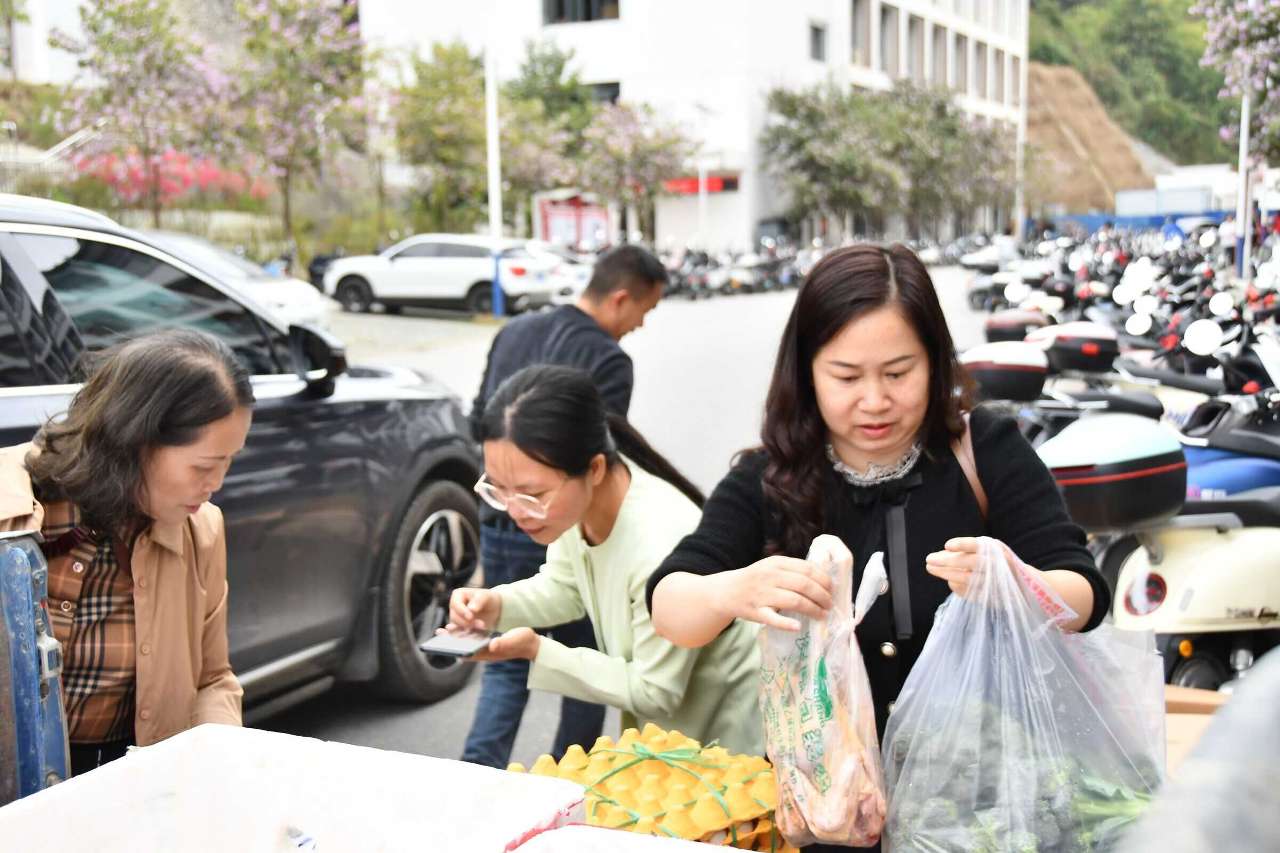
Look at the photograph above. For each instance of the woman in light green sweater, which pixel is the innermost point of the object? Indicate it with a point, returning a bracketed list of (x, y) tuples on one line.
[(610, 509)]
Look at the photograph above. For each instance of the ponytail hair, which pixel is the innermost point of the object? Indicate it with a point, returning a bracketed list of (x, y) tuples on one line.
[(555, 415)]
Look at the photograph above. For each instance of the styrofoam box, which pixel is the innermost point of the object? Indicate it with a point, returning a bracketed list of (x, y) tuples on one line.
[(222, 788)]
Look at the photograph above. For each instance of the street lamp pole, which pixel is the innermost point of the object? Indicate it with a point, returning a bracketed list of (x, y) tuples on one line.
[(1244, 224), (495, 163)]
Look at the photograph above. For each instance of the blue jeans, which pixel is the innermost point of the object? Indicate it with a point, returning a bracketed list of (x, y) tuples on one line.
[(508, 555)]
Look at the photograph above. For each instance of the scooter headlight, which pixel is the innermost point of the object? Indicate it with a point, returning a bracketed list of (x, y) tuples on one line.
[(1145, 595)]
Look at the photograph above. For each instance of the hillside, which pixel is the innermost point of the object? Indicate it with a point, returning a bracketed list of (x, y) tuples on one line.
[(1081, 156), (1142, 58)]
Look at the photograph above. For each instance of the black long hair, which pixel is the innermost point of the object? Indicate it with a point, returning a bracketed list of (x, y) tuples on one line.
[(157, 390), (556, 416), (844, 286)]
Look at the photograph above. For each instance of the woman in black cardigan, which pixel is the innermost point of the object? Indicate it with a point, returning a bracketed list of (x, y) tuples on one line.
[(866, 401)]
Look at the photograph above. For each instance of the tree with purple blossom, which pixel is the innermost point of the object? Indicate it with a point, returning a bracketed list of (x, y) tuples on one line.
[(628, 154), (149, 88), (302, 81), (1242, 41)]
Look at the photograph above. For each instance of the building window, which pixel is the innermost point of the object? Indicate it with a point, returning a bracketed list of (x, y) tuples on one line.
[(998, 64), (960, 65), (578, 11), (980, 88), (889, 41), (818, 42), (861, 32), (939, 51), (606, 93), (915, 48)]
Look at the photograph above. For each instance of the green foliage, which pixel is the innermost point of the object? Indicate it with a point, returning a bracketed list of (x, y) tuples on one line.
[(1142, 57), (546, 76), (910, 151), (34, 109)]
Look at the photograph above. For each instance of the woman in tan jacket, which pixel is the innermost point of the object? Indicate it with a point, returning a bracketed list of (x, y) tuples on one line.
[(119, 490)]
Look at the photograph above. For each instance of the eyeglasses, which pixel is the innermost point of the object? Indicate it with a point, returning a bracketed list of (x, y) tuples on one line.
[(528, 505)]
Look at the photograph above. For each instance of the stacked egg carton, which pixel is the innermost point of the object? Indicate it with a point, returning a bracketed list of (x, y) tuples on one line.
[(663, 783)]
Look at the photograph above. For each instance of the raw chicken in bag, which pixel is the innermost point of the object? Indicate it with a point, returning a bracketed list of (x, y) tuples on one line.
[(820, 724), (1012, 734)]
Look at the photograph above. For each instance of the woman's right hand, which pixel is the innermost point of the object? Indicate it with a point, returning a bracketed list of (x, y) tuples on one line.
[(759, 592), (473, 609)]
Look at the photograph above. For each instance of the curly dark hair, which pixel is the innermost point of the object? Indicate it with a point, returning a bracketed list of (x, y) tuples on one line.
[(158, 390), (844, 286)]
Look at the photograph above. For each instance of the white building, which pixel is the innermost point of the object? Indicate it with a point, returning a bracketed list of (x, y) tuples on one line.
[(25, 52), (708, 64)]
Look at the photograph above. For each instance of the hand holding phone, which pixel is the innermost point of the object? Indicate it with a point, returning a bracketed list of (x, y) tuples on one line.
[(462, 645)]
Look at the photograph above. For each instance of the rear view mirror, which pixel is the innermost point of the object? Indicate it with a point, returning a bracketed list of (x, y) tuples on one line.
[(318, 357), (1146, 304), (1222, 304), (1209, 239), (1015, 292), (1202, 337), (1139, 324)]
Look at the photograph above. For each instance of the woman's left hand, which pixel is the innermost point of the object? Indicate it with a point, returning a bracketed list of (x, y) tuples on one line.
[(958, 562), (516, 644)]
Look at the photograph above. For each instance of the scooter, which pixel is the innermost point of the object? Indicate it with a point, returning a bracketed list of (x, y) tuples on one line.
[(1198, 573)]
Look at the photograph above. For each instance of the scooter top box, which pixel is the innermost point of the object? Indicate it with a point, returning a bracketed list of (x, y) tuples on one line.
[(1084, 346), (1013, 324), (1118, 471), (1008, 370)]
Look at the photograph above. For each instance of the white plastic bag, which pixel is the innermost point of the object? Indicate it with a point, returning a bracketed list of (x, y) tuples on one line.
[(1013, 735), (820, 723)]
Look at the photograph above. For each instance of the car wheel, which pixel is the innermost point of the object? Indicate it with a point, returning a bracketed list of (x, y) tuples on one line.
[(480, 298), (436, 550), (1202, 671), (354, 294)]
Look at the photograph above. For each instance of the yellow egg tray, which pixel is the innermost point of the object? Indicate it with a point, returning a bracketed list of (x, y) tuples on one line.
[(664, 783)]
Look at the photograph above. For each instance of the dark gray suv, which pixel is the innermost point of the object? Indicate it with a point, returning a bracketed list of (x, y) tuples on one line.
[(349, 514)]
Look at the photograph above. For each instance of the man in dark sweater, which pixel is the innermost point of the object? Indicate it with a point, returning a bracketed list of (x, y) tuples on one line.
[(626, 285)]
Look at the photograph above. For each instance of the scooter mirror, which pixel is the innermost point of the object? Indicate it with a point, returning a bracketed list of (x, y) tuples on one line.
[(1222, 304), (1124, 294), (1209, 239), (1146, 304), (1015, 292), (1138, 325), (1202, 337)]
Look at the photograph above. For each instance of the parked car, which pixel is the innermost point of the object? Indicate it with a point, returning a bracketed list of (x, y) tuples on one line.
[(350, 518), (292, 300), (572, 271), (444, 271)]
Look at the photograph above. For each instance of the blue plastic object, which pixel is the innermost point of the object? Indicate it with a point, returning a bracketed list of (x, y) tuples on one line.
[(1217, 474), (33, 728)]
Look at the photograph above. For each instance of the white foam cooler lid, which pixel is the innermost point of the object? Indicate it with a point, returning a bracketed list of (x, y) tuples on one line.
[(222, 788), (1109, 439), (1013, 354)]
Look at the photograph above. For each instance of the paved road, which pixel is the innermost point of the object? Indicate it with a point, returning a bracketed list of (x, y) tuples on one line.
[(702, 371)]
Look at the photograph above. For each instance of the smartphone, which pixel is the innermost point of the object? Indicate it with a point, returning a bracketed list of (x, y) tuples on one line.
[(457, 645)]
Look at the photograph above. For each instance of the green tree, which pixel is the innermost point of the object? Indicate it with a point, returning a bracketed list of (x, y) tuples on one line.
[(1142, 59), (546, 76), (441, 128)]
